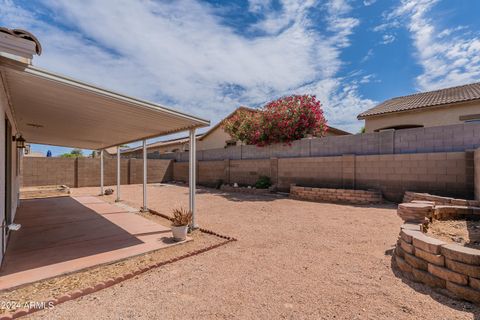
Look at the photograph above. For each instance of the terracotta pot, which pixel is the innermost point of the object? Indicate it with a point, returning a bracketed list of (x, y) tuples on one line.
[(179, 233)]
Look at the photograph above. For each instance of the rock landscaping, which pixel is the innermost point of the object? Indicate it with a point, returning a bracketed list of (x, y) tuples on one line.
[(465, 232), (251, 190), (44, 192), (424, 253)]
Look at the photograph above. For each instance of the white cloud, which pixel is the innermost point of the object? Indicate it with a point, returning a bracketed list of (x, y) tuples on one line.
[(387, 25), (368, 2), (447, 59), (367, 56), (388, 38), (181, 54)]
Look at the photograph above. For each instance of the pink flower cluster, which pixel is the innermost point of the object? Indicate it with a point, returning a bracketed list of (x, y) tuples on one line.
[(280, 121)]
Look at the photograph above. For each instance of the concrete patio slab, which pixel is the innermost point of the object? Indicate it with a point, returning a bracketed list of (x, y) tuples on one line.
[(66, 234)]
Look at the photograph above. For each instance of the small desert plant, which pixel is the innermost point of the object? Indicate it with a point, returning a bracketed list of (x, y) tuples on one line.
[(263, 182), (181, 217)]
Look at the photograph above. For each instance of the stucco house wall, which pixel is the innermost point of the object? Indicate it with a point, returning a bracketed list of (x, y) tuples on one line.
[(477, 173), (5, 113), (426, 117), (214, 140)]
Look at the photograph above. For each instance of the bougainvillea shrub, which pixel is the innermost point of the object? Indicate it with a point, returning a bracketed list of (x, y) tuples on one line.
[(280, 121), (243, 125)]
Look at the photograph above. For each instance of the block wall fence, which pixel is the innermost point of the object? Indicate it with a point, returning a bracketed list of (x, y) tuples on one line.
[(453, 138), (85, 172), (454, 174), (441, 173)]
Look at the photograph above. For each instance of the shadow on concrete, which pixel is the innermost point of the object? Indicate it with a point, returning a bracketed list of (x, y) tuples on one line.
[(434, 293), (60, 229)]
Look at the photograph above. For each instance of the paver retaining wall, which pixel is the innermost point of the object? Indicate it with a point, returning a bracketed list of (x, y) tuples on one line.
[(438, 264), (85, 172), (443, 173), (336, 195)]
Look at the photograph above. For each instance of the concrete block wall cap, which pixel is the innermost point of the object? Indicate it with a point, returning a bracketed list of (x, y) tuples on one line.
[(445, 206), (415, 206), (461, 254), (423, 201), (411, 226), (407, 234), (426, 243)]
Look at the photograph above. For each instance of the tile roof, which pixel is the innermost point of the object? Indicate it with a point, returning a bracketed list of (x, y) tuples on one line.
[(426, 99), (19, 33)]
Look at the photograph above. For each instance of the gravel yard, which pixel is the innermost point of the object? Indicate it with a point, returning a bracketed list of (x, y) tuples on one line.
[(292, 260)]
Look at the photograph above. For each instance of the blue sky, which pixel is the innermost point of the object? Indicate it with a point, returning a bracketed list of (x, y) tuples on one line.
[(209, 57)]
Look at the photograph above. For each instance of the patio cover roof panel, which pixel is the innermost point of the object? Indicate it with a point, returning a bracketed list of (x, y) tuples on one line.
[(52, 109)]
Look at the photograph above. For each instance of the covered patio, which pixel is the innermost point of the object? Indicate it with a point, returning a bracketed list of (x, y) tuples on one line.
[(65, 234)]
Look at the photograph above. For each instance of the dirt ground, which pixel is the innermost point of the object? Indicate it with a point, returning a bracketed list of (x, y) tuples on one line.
[(293, 260), (56, 287), (462, 232)]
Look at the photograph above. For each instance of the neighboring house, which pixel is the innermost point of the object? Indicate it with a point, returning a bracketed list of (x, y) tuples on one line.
[(214, 138), (426, 109)]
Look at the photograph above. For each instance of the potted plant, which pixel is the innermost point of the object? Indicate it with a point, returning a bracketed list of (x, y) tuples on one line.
[(180, 222)]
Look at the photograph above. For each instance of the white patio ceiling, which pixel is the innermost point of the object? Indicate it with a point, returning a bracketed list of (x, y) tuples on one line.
[(52, 109)]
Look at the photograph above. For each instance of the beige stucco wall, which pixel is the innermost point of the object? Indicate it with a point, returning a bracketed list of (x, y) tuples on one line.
[(215, 140), (435, 116), (181, 146), (6, 113), (331, 133), (477, 173)]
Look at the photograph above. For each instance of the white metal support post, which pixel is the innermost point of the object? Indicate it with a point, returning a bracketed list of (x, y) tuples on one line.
[(192, 176), (144, 208), (102, 192), (118, 174)]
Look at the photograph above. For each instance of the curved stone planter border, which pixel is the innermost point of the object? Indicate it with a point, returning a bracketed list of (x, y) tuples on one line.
[(439, 200), (113, 281), (437, 264)]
